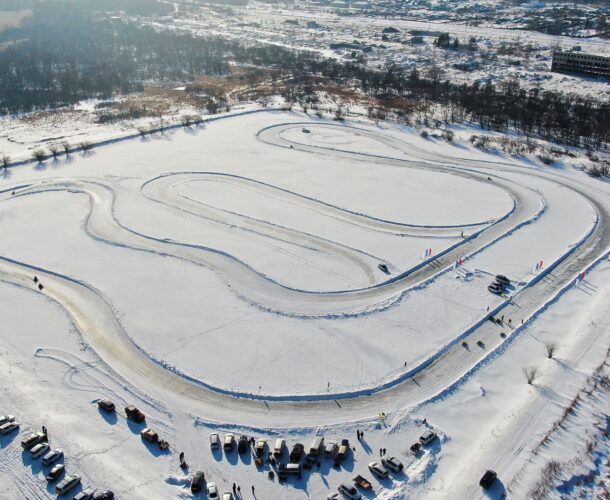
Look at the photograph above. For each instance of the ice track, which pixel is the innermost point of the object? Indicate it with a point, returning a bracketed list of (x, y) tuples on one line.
[(93, 316)]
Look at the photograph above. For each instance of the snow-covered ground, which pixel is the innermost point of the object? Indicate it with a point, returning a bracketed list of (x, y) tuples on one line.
[(241, 262)]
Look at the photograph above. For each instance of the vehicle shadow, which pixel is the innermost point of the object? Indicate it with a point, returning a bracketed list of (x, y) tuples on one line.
[(34, 463), (110, 417), (497, 490), (154, 449), (217, 454), (231, 456), (246, 457), (136, 427), (8, 438)]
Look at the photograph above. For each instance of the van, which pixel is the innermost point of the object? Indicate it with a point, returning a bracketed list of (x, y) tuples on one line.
[(278, 449), (317, 443)]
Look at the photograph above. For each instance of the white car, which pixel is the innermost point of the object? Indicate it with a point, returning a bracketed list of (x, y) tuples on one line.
[(393, 464), (330, 449), (214, 441), (52, 456), (8, 427), (227, 495), (39, 450), (69, 482), (5, 419), (427, 437), (349, 491), (212, 491), (378, 470), (86, 494), (229, 441)]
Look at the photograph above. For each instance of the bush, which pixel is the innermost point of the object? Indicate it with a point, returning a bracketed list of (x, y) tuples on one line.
[(424, 134), (448, 135), (530, 374), (547, 160)]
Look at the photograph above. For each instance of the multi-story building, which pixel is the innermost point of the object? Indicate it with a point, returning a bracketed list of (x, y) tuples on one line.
[(580, 63)]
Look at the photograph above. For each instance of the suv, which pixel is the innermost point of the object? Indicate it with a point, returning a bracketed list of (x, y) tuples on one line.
[(393, 464), (214, 441), (330, 449), (343, 450), (296, 453), (349, 491), (488, 479), (33, 439), (261, 444), (242, 444), (134, 414), (106, 405), (229, 441), (378, 470), (197, 482), (427, 437)]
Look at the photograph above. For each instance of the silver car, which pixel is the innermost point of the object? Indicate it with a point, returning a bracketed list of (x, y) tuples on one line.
[(378, 470)]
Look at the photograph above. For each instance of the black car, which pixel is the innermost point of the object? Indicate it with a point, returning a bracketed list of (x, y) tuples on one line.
[(197, 482), (104, 495), (493, 288), (242, 444), (488, 479), (296, 453), (106, 405), (500, 278)]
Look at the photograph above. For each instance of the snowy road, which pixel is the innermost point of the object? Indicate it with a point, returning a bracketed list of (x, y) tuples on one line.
[(96, 319)]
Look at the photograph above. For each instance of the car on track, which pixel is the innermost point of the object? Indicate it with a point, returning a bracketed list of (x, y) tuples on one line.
[(242, 444), (214, 441), (212, 491), (297, 453), (427, 437), (278, 449), (33, 439), (495, 289), (106, 405), (67, 483), (383, 268), (227, 495), (503, 280), (378, 470), (8, 427), (39, 449), (392, 463), (55, 472), (5, 419), (343, 450), (488, 479), (104, 495), (197, 482), (229, 441), (330, 448), (349, 491), (86, 494), (52, 457)]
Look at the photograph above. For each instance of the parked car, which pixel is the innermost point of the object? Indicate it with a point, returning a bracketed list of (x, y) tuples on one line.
[(134, 414), (149, 435), (297, 452), (67, 483), (289, 470), (415, 447), (278, 449), (333, 496), (392, 463), (305, 130), (33, 439), (363, 483), (8, 427), (229, 442), (427, 437), (242, 444), (330, 449), (227, 495), (214, 441), (197, 482), (310, 461), (106, 405), (316, 444), (5, 419), (86, 494), (495, 289), (349, 491), (52, 456), (55, 472), (39, 449), (343, 450), (378, 470), (488, 479), (104, 495), (261, 446), (212, 491)]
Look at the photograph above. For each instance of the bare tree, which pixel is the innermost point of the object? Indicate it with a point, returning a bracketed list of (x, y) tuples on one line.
[(66, 147), (551, 347), (6, 160), (530, 374), (54, 150), (38, 155), (85, 146)]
